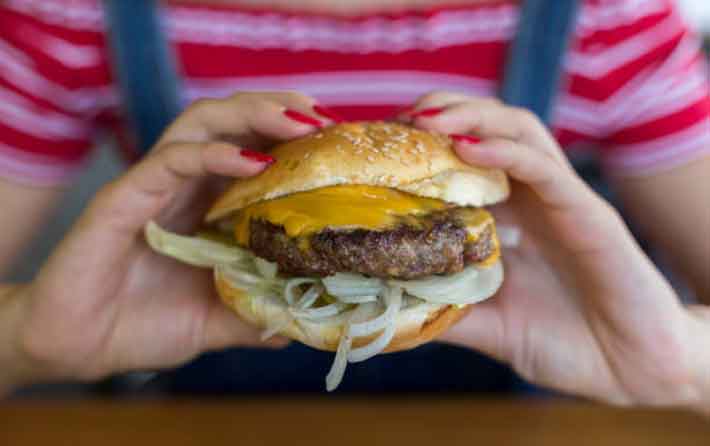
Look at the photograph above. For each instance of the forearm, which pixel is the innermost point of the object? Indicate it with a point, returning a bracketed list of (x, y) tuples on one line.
[(13, 368)]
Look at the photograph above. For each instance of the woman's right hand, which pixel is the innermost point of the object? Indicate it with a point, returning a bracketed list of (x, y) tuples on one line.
[(582, 309), (105, 302)]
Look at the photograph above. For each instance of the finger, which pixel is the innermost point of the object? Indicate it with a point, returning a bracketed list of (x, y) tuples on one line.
[(290, 99), (244, 115), (481, 329), (142, 193), (490, 119), (555, 185), (308, 106), (436, 101), (224, 329), (304, 109)]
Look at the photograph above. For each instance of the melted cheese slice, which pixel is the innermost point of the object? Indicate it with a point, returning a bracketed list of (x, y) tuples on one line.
[(345, 207), (351, 207)]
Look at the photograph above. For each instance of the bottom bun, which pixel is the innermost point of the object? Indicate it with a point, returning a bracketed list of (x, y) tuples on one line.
[(416, 325)]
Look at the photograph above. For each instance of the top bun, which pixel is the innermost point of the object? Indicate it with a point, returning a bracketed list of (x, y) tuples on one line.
[(372, 154)]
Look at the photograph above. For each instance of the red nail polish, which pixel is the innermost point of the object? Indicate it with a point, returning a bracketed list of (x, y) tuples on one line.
[(328, 113), (303, 119), (404, 110), (468, 139), (427, 112), (259, 157)]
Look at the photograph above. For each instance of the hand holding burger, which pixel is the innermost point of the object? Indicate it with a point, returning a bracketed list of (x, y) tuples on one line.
[(582, 309), (105, 302)]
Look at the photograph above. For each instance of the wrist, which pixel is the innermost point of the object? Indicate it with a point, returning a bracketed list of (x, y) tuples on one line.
[(17, 368), (14, 368)]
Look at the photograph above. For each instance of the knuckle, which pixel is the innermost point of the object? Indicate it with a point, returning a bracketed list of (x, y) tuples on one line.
[(609, 212), (240, 95), (485, 102), (204, 103), (493, 100), (525, 117), (247, 99), (213, 146), (435, 95), (106, 203), (108, 193), (198, 107), (298, 96)]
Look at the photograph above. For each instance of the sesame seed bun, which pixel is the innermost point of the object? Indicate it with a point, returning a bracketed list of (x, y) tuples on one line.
[(372, 154)]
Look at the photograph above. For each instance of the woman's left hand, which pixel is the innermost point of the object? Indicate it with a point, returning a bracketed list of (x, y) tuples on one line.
[(582, 309), (104, 302)]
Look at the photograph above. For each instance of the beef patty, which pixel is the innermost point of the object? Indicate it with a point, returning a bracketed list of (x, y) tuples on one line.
[(435, 245)]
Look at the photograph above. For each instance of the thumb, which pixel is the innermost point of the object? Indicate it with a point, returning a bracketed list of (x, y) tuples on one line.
[(482, 329), (224, 329)]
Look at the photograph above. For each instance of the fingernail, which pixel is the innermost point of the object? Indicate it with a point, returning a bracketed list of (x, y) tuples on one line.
[(259, 157), (427, 112), (468, 139), (403, 114), (303, 119), (404, 110), (328, 113)]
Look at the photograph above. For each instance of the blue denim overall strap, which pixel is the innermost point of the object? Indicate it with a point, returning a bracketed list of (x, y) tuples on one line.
[(150, 85), (144, 67), (536, 56)]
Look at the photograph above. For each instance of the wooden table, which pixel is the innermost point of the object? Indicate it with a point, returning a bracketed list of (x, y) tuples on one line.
[(343, 422)]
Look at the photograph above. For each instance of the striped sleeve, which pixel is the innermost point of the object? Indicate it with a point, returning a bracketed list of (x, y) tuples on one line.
[(46, 125), (654, 80)]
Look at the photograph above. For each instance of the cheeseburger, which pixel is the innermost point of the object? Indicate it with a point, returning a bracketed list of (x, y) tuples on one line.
[(362, 238)]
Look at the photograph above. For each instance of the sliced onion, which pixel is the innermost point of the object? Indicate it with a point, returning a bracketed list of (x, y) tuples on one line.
[(352, 285), (338, 319), (267, 269), (471, 285), (238, 277), (291, 285), (509, 235), (315, 314), (357, 299), (276, 327), (378, 323), (192, 250), (340, 363), (394, 302), (310, 297)]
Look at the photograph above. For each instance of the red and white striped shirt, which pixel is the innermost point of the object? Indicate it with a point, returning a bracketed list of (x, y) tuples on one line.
[(636, 85)]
